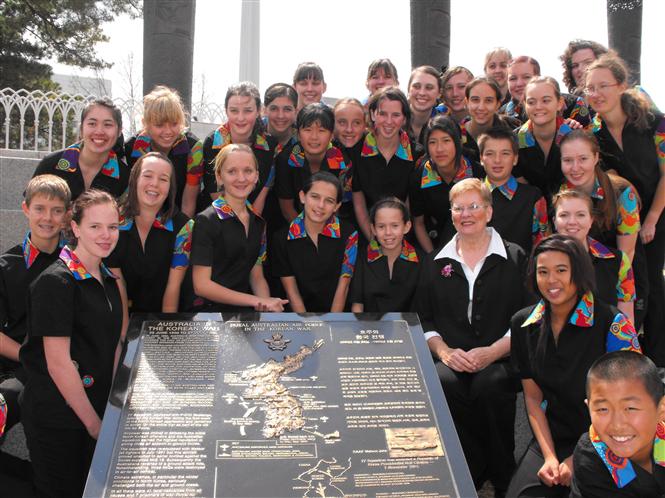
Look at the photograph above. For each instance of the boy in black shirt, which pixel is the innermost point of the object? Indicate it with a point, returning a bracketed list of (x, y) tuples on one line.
[(623, 454)]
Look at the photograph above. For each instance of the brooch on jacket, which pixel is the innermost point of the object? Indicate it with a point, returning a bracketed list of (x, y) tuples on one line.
[(447, 270)]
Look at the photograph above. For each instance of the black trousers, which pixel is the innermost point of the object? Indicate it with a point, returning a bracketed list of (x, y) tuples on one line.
[(654, 322), (525, 482), (483, 408), (60, 458)]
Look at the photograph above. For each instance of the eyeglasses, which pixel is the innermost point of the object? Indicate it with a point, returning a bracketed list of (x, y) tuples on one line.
[(471, 208), (602, 88)]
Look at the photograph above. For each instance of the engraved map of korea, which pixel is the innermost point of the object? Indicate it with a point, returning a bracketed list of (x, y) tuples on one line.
[(283, 410)]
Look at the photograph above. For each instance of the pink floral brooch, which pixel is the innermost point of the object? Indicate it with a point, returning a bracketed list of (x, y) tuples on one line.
[(447, 270)]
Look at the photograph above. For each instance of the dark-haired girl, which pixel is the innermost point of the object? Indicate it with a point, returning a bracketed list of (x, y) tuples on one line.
[(380, 73), (313, 152), (483, 99), (553, 344), (316, 254), (92, 162), (164, 131), (229, 240), (387, 270), (75, 324), (242, 105), (632, 143), (431, 182), (388, 155), (152, 254), (280, 102)]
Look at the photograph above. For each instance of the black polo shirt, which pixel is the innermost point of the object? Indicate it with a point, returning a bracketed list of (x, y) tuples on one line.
[(263, 148), (113, 177), (66, 301), (374, 287), (443, 295), (540, 171), (519, 213), (19, 266), (428, 196), (146, 269), (560, 369), (638, 161), (598, 477), (186, 154), (292, 168), (219, 241), (376, 178), (317, 270)]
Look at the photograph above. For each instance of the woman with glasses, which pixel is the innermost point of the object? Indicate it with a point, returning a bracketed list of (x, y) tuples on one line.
[(632, 143), (467, 295)]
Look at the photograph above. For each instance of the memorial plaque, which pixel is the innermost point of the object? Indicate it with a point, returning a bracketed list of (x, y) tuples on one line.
[(272, 405)]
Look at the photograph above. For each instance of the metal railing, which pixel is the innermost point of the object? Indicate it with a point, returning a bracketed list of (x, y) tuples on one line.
[(46, 121)]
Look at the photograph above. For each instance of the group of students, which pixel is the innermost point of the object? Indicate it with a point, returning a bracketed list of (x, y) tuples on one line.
[(442, 200)]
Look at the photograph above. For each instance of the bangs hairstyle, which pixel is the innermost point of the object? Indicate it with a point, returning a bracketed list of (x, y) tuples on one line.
[(452, 72), (498, 133), (581, 268), (89, 198), (107, 103), (471, 185), (633, 103), (229, 149), (567, 59), (326, 177), (431, 70), (390, 93), (49, 186), (389, 69), (308, 71), (277, 90), (389, 203), (448, 126), (544, 79), (163, 105), (487, 81), (522, 59), (316, 113), (131, 208), (496, 51), (629, 366), (247, 89)]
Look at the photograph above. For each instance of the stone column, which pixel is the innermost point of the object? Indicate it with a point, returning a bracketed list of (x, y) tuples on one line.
[(250, 41), (168, 45), (430, 32), (624, 32)]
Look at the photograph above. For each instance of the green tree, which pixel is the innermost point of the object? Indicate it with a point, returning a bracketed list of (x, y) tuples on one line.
[(65, 30)]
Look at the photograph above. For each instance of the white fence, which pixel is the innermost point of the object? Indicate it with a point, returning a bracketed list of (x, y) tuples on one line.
[(49, 121)]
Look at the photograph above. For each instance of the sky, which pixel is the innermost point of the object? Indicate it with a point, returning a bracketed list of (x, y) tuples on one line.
[(344, 36)]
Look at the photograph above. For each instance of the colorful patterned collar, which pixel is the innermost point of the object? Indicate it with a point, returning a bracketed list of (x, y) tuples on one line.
[(621, 468), (68, 256), (291, 141), (370, 147), (224, 211), (333, 157), (142, 145), (69, 162), (30, 251), (374, 252), (513, 109), (297, 228), (222, 137), (582, 315), (598, 250), (440, 109), (526, 139), (127, 223), (431, 177), (508, 189), (597, 192), (596, 123)]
